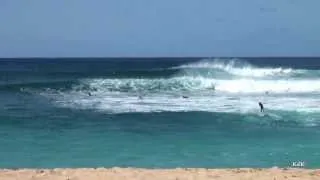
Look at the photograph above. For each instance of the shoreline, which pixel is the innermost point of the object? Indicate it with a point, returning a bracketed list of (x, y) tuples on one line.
[(160, 174)]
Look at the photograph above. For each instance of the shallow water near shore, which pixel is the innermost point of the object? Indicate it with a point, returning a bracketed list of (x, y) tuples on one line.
[(87, 113)]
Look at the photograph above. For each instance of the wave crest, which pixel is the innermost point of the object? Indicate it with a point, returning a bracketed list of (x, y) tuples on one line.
[(238, 67)]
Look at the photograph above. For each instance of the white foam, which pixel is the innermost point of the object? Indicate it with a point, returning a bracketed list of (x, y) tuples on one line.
[(240, 68), (230, 96), (122, 103), (194, 84), (271, 86)]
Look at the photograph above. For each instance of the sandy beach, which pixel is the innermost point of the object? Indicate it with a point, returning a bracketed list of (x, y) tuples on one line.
[(159, 174)]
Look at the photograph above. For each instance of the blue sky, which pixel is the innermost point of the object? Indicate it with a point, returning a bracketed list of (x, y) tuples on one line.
[(104, 28)]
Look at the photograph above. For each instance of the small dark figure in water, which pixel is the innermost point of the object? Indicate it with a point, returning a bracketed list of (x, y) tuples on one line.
[(140, 97), (185, 97), (261, 107), (89, 94)]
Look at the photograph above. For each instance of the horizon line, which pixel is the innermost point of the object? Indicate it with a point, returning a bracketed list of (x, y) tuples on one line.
[(152, 57)]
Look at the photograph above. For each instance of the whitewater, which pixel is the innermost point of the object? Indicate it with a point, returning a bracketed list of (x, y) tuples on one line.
[(210, 85)]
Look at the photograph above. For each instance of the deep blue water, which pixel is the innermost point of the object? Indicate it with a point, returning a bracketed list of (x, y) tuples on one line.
[(131, 112)]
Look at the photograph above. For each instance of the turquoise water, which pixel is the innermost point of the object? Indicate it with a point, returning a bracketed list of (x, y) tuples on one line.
[(87, 113)]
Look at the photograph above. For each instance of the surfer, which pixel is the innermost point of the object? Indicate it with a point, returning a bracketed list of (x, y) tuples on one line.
[(185, 97), (89, 94), (261, 107)]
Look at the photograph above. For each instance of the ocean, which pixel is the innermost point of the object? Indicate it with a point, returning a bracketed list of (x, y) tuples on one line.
[(159, 112)]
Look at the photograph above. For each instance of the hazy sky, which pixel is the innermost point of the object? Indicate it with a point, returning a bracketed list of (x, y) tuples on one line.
[(55, 28)]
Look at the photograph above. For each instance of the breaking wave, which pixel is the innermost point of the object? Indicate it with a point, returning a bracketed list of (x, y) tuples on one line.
[(211, 86), (241, 68)]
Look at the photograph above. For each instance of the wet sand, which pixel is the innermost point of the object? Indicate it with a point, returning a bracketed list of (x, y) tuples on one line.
[(160, 174)]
